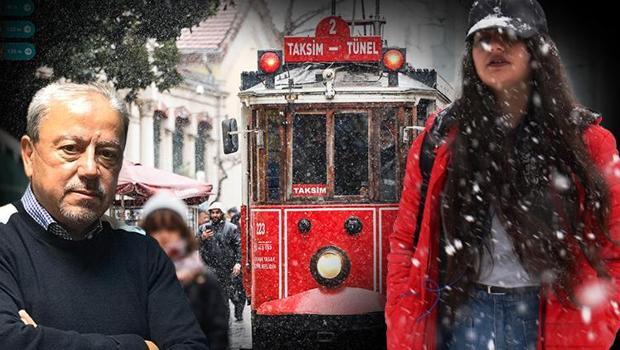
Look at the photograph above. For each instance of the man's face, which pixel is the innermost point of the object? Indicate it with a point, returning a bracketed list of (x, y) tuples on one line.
[(74, 165), (203, 217), (216, 215)]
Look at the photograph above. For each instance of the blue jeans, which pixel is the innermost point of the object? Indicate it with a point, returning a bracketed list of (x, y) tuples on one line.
[(495, 321)]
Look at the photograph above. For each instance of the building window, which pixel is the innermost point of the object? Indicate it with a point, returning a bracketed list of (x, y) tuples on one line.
[(203, 130), (157, 120), (177, 145)]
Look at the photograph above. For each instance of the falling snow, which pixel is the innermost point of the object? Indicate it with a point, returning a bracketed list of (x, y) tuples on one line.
[(544, 48), (450, 250), (593, 294), (486, 46), (536, 99), (614, 304), (591, 336), (522, 308), (560, 182), (586, 315), (471, 335), (458, 244)]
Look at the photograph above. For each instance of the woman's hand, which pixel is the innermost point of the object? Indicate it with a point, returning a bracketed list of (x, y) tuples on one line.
[(151, 345), (27, 319)]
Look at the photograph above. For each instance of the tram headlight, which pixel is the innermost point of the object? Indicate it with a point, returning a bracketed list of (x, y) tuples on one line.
[(330, 266)]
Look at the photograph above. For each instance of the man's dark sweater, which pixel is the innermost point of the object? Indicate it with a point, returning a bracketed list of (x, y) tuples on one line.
[(110, 292)]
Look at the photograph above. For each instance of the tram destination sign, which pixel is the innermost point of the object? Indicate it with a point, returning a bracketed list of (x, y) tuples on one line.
[(332, 43), (309, 190)]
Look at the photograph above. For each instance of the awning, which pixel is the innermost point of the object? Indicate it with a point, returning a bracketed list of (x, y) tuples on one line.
[(140, 182)]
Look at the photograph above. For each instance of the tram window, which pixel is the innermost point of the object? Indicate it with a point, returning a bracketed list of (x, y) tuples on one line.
[(309, 142), (351, 154), (273, 144), (388, 137)]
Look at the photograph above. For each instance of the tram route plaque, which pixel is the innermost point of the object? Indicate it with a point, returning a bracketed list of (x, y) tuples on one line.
[(266, 254), (332, 43)]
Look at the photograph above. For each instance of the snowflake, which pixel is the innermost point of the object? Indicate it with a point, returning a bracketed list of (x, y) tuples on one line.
[(522, 308), (450, 250), (471, 335), (476, 188), (615, 306), (560, 182), (586, 315), (544, 48), (536, 99), (593, 294), (458, 244)]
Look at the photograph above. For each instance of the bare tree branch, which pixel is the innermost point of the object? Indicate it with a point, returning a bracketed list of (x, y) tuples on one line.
[(288, 18), (221, 179)]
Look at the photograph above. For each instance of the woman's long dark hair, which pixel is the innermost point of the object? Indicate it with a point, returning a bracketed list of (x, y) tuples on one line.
[(485, 169)]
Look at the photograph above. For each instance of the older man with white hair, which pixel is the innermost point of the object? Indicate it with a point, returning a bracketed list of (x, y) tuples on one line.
[(69, 280)]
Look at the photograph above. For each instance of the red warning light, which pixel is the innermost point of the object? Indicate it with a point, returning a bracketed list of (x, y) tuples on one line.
[(269, 62), (393, 60)]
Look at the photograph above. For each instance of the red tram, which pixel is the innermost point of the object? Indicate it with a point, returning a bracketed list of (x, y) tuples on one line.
[(325, 129)]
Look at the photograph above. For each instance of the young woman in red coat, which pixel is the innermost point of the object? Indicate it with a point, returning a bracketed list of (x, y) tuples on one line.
[(509, 222)]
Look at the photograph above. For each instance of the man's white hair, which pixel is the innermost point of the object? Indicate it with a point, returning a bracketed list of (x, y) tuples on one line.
[(66, 91)]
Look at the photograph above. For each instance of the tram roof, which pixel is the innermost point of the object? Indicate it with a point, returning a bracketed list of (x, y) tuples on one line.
[(348, 83)]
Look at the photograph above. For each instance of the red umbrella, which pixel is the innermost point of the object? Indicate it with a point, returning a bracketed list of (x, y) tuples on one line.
[(140, 182)]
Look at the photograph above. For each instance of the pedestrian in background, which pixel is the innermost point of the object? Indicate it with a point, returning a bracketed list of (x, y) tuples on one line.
[(220, 247), (203, 213), (237, 292), (163, 218), (234, 216)]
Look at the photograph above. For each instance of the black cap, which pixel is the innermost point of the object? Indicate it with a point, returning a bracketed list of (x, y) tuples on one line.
[(524, 18), (233, 210)]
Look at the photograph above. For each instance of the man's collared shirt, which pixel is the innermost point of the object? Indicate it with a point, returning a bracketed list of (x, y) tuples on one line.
[(45, 220)]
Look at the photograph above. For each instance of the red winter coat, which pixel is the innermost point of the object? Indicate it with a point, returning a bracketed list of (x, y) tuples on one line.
[(410, 316)]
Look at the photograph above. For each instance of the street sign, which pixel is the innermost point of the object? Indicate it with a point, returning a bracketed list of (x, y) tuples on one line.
[(16, 29), (17, 51), (332, 43), (16, 8)]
